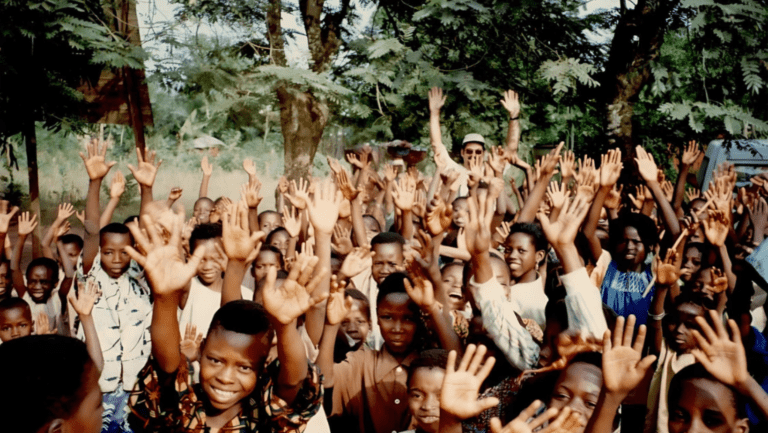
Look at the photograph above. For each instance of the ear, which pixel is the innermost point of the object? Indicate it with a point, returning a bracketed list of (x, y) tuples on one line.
[(56, 426), (742, 426), (540, 254)]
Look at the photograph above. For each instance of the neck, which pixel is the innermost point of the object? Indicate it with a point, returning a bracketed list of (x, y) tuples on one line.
[(217, 418), (215, 285), (528, 277)]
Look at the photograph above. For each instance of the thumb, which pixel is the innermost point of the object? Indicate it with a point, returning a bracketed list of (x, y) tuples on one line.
[(487, 403)]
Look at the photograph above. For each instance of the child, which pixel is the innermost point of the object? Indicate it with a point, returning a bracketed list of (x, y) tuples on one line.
[(203, 297), (237, 390), (279, 238), (387, 250), (524, 249), (369, 386), (122, 314), (269, 256), (355, 327), (452, 295), (6, 283), (42, 276), (202, 210), (270, 220), (425, 380), (15, 319), (60, 396)]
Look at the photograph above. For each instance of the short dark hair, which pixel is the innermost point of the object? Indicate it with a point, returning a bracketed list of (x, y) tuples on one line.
[(42, 390), (14, 303), (394, 283), (697, 371), (117, 228), (71, 238), (203, 200), (274, 233), (644, 225), (272, 249), (365, 304), (430, 358), (131, 219), (532, 230), (387, 238), (203, 232), (47, 263), (268, 212), (241, 316)]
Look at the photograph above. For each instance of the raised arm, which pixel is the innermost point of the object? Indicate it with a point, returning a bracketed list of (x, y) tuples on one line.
[(336, 310), (649, 172), (97, 169), (5, 221), (64, 211), (241, 247), (690, 154), (285, 304), (436, 102), (207, 169), (145, 174), (26, 226), (547, 170), (511, 103), (168, 275), (323, 214), (249, 194), (610, 170), (82, 302), (116, 189)]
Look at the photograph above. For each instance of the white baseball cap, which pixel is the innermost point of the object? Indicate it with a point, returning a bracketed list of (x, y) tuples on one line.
[(473, 138)]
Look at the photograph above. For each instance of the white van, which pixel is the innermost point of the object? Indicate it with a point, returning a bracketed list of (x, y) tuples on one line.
[(749, 157)]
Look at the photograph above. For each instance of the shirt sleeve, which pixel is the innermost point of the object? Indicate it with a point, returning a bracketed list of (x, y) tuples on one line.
[(163, 402), (284, 417), (504, 326), (584, 305)]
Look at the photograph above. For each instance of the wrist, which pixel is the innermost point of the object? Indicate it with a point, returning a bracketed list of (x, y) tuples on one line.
[(433, 309)]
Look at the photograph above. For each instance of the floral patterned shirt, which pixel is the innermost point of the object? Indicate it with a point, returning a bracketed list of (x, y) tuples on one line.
[(170, 403)]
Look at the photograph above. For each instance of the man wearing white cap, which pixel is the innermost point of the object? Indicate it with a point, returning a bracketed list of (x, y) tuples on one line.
[(473, 145)]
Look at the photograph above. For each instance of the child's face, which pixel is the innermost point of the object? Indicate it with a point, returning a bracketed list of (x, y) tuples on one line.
[(264, 260), (40, 283), (5, 279), (371, 228), (578, 388), (15, 323), (691, 264), (520, 254), (701, 407), (270, 221), (388, 258), (202, 211), (502, 273), (230, 363), (451, 294), (355, 324), (630, 249), (209, 270), (460, 213), (424, 397), (72, 250), (114, 259), (280, 241), (704, 285), (680, 325), (87, 418), (397, 320)]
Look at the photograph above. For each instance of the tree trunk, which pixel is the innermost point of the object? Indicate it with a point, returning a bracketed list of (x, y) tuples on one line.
[(302, 120), (636, 42), (30, 139)]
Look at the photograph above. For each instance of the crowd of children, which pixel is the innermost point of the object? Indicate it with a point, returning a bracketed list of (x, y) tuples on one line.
[(383, 300)]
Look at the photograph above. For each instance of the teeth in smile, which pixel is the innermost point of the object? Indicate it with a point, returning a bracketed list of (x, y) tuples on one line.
[(223, 394)]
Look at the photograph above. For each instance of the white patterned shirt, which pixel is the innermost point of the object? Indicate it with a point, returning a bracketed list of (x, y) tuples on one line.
[(122, 314)]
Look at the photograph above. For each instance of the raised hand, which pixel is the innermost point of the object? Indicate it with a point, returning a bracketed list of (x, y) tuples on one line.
[(163, 263), (421, 292), (238, 242), (404, 193), (758, 214), (716, 227), (190, 344), (668, 189), (324, 208), (722, 355), (299, 194), (291, 222), (461, 386), (175, 194), (497, 160), (646, 166), (642, 194), (667, 271), (27, 224), (249, 193), (563, 230), (549, 162), (64, 211), (117, 187), (436, 99), (558, 421), (692, 193), (345, 185), (294, 297), (95, 164), (557, 194), (568, 165), (623, 365), (339, 304), (5, 217), (206, 166), (691, 153), (147, 169), (43, 325), (478, 229), (511, 102), (390, 173), (80, 215), (83, 299), (356, 262), (610, 167), (63, 229), (613, 199), (342, 240), (250, 167)]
